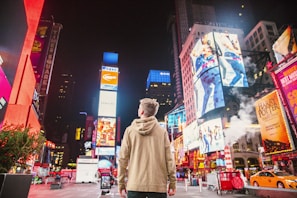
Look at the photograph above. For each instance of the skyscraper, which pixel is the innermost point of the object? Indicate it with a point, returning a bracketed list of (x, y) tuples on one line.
[(158, 86), (57, 120), (206, 12), (187, 13)]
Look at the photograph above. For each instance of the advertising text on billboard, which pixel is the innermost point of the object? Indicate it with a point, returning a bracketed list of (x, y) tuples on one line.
[(274, 127)]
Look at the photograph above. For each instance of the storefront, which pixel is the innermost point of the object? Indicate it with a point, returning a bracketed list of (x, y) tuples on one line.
[(286, 162)]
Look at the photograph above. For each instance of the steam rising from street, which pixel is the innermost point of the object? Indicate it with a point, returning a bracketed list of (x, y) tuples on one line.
[(240, 122)]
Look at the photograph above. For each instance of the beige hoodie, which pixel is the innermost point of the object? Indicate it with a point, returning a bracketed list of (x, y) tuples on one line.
[(146, 149)]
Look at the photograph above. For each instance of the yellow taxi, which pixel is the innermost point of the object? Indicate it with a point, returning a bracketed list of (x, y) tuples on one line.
[(274, 179)]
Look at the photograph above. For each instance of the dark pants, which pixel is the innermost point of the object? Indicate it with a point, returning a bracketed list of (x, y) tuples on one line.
[(136, 194)]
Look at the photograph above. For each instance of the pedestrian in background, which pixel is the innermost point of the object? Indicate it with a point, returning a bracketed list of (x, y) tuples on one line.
[(146, 157)]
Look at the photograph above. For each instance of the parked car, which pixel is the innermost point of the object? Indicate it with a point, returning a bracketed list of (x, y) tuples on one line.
[(274, 179)]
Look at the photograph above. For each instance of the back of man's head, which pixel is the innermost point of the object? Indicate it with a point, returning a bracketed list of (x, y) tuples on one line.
[(149, 106)]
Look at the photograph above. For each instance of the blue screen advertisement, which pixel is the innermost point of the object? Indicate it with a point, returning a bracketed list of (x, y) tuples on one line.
[(208, 137), (230, 60), (110, 58), (176, 119), (208, 92)]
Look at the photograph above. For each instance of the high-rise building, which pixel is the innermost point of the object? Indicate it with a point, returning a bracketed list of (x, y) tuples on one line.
[(42, 58), (107, 122), (259, 41), (197, 32), (189, 12), (57, 120), (158, 86)]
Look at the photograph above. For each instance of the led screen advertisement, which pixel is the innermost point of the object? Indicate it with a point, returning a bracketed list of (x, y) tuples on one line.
[(176, 119), (39, 48), (107, 103), (230, 60), (284, 45), (190, 137), (110, 58), (273, 124), (4, 94), (109, 78), (208, 137), (13, 28), (208, 92), (106, 132), (158, 76), (203, 55), (287, 77), (105, 151)]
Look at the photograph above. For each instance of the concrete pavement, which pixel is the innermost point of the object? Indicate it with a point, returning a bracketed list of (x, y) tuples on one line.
[(92, 190)]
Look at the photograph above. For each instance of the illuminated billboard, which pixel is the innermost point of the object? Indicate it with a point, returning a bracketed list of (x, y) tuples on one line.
[(208, 92), (106, 132), (4, 94), (158, 76), (105, 151), (190, 136), (208, 137), (273, 124), (109, 78), (230, 60), (287, 76), (176, 119), (107, 103), (39, 48), (203, 55), (110, 58), (284, 45)]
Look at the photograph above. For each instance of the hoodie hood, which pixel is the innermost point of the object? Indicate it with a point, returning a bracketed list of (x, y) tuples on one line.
[(144, 126)]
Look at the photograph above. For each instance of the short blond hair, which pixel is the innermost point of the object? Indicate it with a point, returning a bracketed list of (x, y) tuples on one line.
[(149, 106)]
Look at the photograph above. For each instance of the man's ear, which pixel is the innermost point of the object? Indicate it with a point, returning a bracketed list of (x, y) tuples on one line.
[(142, 112)]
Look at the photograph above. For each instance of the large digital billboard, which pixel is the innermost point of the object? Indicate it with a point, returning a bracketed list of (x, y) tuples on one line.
[(110, 58), (39, 48), (208, 92), (176, 120), (105, 151), (208, 137), (106, 132), (284, 45), (13, 28), (158, 76), (287, 76), (203, 55), (109, 78), (4, 94), (275, 131), (190, 136), (107, 103), (211, 136), (230, 60)]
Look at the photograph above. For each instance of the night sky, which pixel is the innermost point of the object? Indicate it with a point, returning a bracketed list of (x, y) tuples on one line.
[(137, 30)]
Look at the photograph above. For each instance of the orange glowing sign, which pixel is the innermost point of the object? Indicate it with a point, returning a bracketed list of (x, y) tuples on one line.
[(109, 78), (273, 123)]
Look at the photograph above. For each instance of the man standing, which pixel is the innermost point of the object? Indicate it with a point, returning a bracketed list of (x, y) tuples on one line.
[(145, 157)]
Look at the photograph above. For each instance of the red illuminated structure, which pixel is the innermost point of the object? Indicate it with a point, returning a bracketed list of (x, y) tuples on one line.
[(19, 109)]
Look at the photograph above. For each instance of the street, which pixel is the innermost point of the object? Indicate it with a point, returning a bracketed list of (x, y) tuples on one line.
[(92, 190)]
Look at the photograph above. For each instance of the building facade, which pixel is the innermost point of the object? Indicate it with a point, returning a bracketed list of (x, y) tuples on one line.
[(158, 86)]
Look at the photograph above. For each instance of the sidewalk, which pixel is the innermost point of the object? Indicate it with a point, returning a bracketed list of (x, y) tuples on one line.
[(190, 192), (92, 190)]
